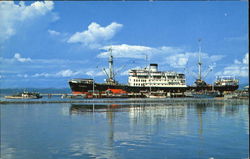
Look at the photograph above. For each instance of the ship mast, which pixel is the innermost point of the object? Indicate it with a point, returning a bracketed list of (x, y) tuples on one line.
[(199, 81), (149, 73), (111, 73), (199, 61)]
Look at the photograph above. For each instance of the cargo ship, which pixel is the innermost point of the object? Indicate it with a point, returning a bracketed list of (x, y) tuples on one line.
[(147, 80)]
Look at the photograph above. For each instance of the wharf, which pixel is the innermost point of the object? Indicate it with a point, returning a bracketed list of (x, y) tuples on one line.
[(100, 96), (128, 100), (54, 94)]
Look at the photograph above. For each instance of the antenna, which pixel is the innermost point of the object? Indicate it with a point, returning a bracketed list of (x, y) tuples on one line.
[(149, 73), (199, 62), (146, 58)]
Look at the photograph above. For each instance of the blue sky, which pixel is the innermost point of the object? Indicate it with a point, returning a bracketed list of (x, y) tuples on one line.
[(44, 44)]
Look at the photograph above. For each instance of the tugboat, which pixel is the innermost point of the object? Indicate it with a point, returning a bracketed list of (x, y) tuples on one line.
[(25, 95)]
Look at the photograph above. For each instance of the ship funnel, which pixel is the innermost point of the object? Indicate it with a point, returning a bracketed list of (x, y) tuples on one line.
[(153, 67)]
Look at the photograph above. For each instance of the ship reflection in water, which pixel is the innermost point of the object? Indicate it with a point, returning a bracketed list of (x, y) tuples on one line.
[(182, 130), (176, 129)]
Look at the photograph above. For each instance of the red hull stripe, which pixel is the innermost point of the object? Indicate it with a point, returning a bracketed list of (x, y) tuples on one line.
[(117, 91), (75, 92)]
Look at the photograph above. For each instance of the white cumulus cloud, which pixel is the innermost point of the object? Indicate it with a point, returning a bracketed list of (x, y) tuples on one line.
[(12, 13), (42, 75), (235, 70), (22, 75), (62, 73), (246, 59), (239, 68), (177, 61), (53, 32), (173, 56), (138, 51), (94, 73), (180, 60), (18, 57), (67, 73), (126, 51), (95, 35)]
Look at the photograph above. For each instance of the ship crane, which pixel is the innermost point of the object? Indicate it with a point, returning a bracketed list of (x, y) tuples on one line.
[(111, 73), (186, 69), (104, 70), (117, 71), (209, 70)]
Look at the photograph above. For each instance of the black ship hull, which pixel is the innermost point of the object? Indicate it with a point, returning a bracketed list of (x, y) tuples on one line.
[(78, 88), (83, 88), (221, 89)]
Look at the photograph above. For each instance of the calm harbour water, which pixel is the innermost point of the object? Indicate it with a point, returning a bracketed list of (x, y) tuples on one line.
[(199, 130)]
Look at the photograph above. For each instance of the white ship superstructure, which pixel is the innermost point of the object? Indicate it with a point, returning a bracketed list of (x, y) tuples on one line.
[(151, 77), (226, 81)]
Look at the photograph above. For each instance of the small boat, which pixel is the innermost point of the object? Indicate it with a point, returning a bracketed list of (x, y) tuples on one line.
[(230, 96), (202, 94), (240, 94), (157, 94), (74, 96), (24, 95)]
